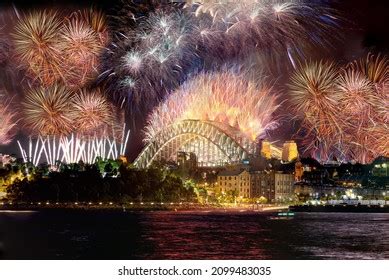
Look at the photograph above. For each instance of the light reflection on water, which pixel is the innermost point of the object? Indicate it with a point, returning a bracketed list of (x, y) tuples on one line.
[(192, 235)]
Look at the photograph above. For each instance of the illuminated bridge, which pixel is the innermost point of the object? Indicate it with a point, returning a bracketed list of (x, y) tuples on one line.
[(213, 143)]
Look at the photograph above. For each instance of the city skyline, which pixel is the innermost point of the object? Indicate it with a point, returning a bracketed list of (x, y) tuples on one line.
[(194, 130)]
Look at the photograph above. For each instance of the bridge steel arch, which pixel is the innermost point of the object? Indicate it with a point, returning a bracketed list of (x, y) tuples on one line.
[(176, 135)]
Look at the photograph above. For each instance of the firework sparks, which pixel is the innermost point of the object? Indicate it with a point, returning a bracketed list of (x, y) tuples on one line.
[(92, 112), (264, 24), (225, 98), (97, 21), (344, 111), (48, 111), (54, 49), (376, 69), (73, 148), (161, 49), (158, 55), (7, 121), (154, 57), (36, 40), (81, 47)]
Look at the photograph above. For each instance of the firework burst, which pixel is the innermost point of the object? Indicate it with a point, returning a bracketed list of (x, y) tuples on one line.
[(226, 99), (7, 121), (343, 110), (54, 49), (97, 21), (376, 69), (154, 57), (270, 24), (36, 40), (313, 96), (164, 45), (364, 101), (92, 112), (80, 47), (49, 111)]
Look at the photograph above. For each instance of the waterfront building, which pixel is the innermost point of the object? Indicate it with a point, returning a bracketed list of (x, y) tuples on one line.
[(273, 185), (262, 185), (316, 177), (237, 180), (283, 186)]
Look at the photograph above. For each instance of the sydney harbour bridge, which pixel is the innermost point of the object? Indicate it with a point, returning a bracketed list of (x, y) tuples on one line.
[(214, 144)]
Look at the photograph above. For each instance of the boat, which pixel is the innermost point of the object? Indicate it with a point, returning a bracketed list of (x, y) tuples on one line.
[(284, 215)]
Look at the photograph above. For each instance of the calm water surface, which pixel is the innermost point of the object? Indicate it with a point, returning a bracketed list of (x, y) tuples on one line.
[(192, 235)]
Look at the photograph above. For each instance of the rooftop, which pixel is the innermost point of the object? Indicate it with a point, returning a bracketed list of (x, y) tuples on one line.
[(234, 172)]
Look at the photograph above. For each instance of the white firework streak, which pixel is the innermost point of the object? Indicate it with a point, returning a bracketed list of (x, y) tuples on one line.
[(73, 149)]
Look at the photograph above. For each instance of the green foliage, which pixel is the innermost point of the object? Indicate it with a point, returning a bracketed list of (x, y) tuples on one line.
[(81, 182), (262, 200)]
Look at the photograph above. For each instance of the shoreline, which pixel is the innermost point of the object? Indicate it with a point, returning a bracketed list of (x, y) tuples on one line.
[(193, 207), (340, 208), (138, 207)]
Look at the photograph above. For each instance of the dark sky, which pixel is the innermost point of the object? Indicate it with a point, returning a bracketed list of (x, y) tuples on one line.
[(364, 29)]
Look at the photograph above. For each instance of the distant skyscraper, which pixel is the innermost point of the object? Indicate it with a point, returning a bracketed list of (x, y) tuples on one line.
[(289, 151)]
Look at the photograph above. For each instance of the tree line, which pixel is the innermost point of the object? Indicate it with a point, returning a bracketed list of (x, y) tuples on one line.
[(90, 183)]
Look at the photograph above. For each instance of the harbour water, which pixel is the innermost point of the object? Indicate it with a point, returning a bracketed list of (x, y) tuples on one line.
[(192, 235)]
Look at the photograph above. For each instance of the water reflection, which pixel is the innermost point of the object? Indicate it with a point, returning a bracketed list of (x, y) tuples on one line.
[(193, 235)]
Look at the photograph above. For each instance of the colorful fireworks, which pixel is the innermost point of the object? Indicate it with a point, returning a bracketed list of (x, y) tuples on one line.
[(313, 96), (264, 24), (37, 45), (92, 112), (8, 121), (174, 56), (227, 99), (80, 47), (343, 110), (162, 48), (153, 58), (58, 111), (73, 148), (67, 120), (49, 111), (54, 49), (69, 127)]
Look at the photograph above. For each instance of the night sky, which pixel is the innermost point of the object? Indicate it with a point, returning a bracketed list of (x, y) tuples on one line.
[(364, 29)]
